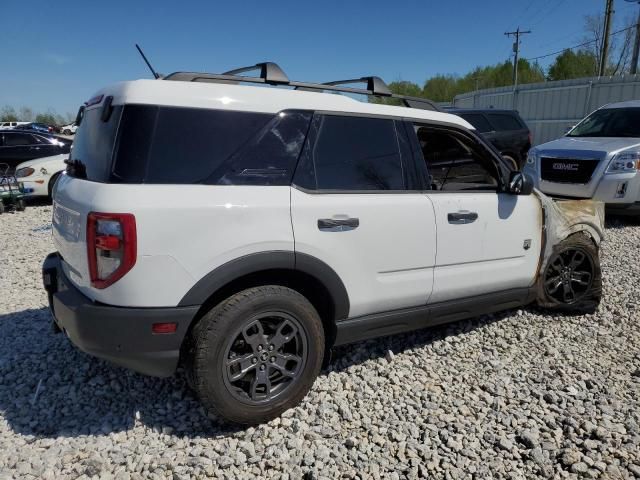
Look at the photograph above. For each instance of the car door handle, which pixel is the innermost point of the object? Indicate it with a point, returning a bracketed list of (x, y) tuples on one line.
[(338, 224), (462, 217)]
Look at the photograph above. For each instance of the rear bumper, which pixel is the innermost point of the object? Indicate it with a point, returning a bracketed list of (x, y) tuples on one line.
[(118, 334)]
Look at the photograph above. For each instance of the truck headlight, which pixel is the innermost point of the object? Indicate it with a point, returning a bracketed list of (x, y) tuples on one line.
[(625, 162)]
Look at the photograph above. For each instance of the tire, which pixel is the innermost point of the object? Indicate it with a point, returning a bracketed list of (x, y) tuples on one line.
[(577, 289), (256, 354), (512, 161), (21, 205), (52, 183), (1, 207)]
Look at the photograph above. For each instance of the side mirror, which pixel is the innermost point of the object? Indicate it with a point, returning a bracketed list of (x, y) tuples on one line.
[(520, 184)]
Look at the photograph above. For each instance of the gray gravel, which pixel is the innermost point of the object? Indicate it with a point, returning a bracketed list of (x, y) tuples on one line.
[(518, 395)]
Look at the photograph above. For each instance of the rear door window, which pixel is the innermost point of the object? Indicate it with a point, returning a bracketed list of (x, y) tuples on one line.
[(503, 121), (351, 153)]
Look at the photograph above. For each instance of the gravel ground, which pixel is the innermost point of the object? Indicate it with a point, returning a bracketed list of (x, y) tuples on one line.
[(518, 395)]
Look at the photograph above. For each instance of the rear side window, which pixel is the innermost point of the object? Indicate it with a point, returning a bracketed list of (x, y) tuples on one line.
[(180, 145), (503, 121), (17, 139), (351, 153), (479, 122)]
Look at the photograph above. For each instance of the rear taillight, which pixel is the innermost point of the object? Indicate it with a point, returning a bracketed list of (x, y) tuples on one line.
[(111, 247)]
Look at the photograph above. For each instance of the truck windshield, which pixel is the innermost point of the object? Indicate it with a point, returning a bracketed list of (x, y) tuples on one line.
[(610, 122)]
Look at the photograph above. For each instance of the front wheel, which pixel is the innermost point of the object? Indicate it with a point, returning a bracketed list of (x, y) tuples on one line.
[(256, 354), (572, 279)]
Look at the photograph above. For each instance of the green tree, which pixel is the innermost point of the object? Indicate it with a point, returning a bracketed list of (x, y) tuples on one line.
[(571, 64), (8, 114)]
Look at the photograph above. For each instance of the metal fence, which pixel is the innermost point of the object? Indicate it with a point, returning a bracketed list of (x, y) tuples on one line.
[(551, 108)]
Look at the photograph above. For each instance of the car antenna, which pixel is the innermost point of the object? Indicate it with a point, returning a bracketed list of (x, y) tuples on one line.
[(156, 75)]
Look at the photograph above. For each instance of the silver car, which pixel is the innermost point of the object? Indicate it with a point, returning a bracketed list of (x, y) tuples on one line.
[(599, 158)]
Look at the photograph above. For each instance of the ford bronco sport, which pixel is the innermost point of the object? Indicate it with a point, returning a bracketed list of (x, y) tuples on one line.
[(243, 226)]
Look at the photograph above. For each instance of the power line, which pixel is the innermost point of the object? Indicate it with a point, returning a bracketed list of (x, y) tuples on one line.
[(553, 8), (579, 45)]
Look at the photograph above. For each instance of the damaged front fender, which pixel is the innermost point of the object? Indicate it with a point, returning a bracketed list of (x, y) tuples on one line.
[(563, 218)]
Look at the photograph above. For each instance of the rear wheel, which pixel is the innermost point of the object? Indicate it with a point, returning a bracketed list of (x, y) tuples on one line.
[(572, 279), (256, 354), (1, 207), (21, 205)]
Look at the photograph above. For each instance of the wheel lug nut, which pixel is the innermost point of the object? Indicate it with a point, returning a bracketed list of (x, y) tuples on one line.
[(254, 360), (270, 347), (259, 348), (273, 359), (262, 367)]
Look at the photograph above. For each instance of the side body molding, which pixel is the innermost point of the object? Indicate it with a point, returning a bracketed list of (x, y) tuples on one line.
[(265, 261)]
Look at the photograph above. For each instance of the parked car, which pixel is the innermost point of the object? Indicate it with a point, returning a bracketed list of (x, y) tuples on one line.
[(40, 175), (69, 129), (505, 129), (38, 127), (175, 223), (599, 158), (10, 125), (17, 146)]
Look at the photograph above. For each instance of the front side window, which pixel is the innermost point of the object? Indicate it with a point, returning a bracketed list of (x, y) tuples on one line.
[(610, 122), (454, 162), (351, 153)]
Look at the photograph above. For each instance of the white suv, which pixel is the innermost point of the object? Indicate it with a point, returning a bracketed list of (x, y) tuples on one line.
[(245, 230)]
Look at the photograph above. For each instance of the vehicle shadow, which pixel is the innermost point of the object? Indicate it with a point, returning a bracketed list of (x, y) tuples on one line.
[(614, 221), (50, 389)]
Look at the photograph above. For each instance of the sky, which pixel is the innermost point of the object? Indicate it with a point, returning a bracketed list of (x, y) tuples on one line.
[(55, 54)]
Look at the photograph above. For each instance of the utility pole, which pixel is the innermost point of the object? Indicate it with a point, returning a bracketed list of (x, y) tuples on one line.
[(636, 45), (516, 51), (605, 38)]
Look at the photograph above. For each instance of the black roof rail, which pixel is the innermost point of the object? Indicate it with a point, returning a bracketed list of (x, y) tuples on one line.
[(374, 84), (271, 73)]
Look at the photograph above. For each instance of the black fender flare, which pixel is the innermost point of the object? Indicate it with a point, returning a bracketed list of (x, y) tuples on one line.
[(270, 260)]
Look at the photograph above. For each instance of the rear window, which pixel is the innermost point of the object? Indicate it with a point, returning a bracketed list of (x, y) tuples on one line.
[(503, 121), (175, 145), (93, 145)]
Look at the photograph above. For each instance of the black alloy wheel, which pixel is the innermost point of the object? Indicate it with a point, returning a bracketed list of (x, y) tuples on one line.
[(265, 357), (569, 276)]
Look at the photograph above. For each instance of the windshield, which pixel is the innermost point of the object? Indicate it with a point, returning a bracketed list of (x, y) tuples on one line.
[(609, 122)]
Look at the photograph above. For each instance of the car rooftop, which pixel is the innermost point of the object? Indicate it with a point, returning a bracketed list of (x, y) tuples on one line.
[(227, 92), (627, 104)]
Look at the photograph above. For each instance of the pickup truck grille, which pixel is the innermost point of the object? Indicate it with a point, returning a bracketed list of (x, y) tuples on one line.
[(567, 170)]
